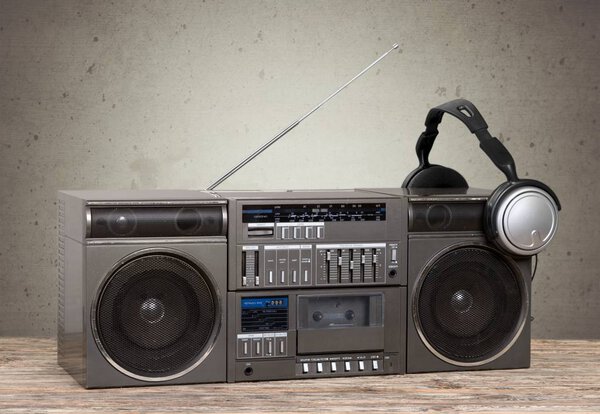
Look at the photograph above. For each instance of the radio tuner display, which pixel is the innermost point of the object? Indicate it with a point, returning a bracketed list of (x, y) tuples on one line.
[(298, 213), (264, 314)]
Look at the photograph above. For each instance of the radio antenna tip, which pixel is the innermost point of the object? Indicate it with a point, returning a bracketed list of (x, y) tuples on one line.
[(395, 46)]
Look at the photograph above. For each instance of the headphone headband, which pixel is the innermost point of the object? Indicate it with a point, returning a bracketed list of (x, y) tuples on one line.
[(466, 112)]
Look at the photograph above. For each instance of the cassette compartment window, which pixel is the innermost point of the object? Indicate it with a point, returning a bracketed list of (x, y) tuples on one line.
[(343, 311), (340, 323)]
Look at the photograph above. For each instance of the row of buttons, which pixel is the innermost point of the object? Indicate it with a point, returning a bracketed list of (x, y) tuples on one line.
[(332, 367), (262, 347), (300, 232)]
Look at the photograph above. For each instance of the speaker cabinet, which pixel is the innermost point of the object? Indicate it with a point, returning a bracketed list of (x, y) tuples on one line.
[(142, 288), (469, 305)]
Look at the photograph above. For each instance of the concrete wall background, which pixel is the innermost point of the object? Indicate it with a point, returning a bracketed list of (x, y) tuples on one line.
[(138, 94)]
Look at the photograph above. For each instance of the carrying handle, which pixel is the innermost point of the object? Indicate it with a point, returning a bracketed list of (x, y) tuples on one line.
[(466, 112)]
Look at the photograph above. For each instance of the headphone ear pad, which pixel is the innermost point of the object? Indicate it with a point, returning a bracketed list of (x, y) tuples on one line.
[(435, 176), (521, 217), (410, 176), (491, 229)]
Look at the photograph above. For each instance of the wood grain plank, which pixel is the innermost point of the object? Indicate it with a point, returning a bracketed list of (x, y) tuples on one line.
[(564, 377)]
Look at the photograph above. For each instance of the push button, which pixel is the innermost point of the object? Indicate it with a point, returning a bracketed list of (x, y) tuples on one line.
[(281, 344), (257, 350), (320, 232), (269, 346), (297, 232), (244, 348), (319, 367), (305, 368), (361, 365), (347, 366), (375, 365), (333, 366), (309, 232)]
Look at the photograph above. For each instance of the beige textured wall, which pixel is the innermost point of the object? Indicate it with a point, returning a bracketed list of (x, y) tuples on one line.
[(145, 94)]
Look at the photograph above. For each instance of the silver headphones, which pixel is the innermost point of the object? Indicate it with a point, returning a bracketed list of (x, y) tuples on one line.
[(521, 216)]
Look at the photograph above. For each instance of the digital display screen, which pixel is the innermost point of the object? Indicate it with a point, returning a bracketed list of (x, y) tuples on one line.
[(298, 213), (265, 314)]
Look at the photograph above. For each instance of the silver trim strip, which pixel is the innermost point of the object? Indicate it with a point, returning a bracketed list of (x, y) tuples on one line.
[(442, 199), (88, 222), (351, 246), (300, 224), (250, 248), (288, 247), (225, 214), (143, 203), (263, 335), (260, 225), (157, 240)]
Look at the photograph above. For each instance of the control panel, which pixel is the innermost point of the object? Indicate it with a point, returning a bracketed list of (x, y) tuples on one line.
[(308, 333), (316, 244), (305, 265)]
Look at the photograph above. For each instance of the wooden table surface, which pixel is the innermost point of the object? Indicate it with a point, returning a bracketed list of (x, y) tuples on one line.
[(564, 377)]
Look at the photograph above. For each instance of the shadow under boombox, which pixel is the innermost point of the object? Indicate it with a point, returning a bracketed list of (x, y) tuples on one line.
[(176, 287)]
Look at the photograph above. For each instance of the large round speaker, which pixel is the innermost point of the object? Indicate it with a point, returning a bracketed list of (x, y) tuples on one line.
[(156, 316), (469, 305)]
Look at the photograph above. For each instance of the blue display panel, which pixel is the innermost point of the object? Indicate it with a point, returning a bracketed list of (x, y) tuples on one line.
[(264, 314)]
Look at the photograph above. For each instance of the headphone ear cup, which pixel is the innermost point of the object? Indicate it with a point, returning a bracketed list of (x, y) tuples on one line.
[(435, 176), (410, 176), (521, 218)]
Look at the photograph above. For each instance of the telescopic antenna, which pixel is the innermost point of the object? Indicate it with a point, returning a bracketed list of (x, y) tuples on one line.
[(296, 123)]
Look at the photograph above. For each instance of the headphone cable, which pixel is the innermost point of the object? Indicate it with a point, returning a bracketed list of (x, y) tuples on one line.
[(535, 266)]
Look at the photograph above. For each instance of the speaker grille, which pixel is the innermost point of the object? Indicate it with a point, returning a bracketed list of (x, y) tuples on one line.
[(155, 315), (470, 304)]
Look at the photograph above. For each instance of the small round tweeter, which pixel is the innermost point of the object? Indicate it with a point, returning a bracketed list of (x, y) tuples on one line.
[(188, 220), (122, 222), (438, 216)]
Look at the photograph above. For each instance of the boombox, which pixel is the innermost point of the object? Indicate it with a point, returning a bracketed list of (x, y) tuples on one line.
[(174, 287)]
